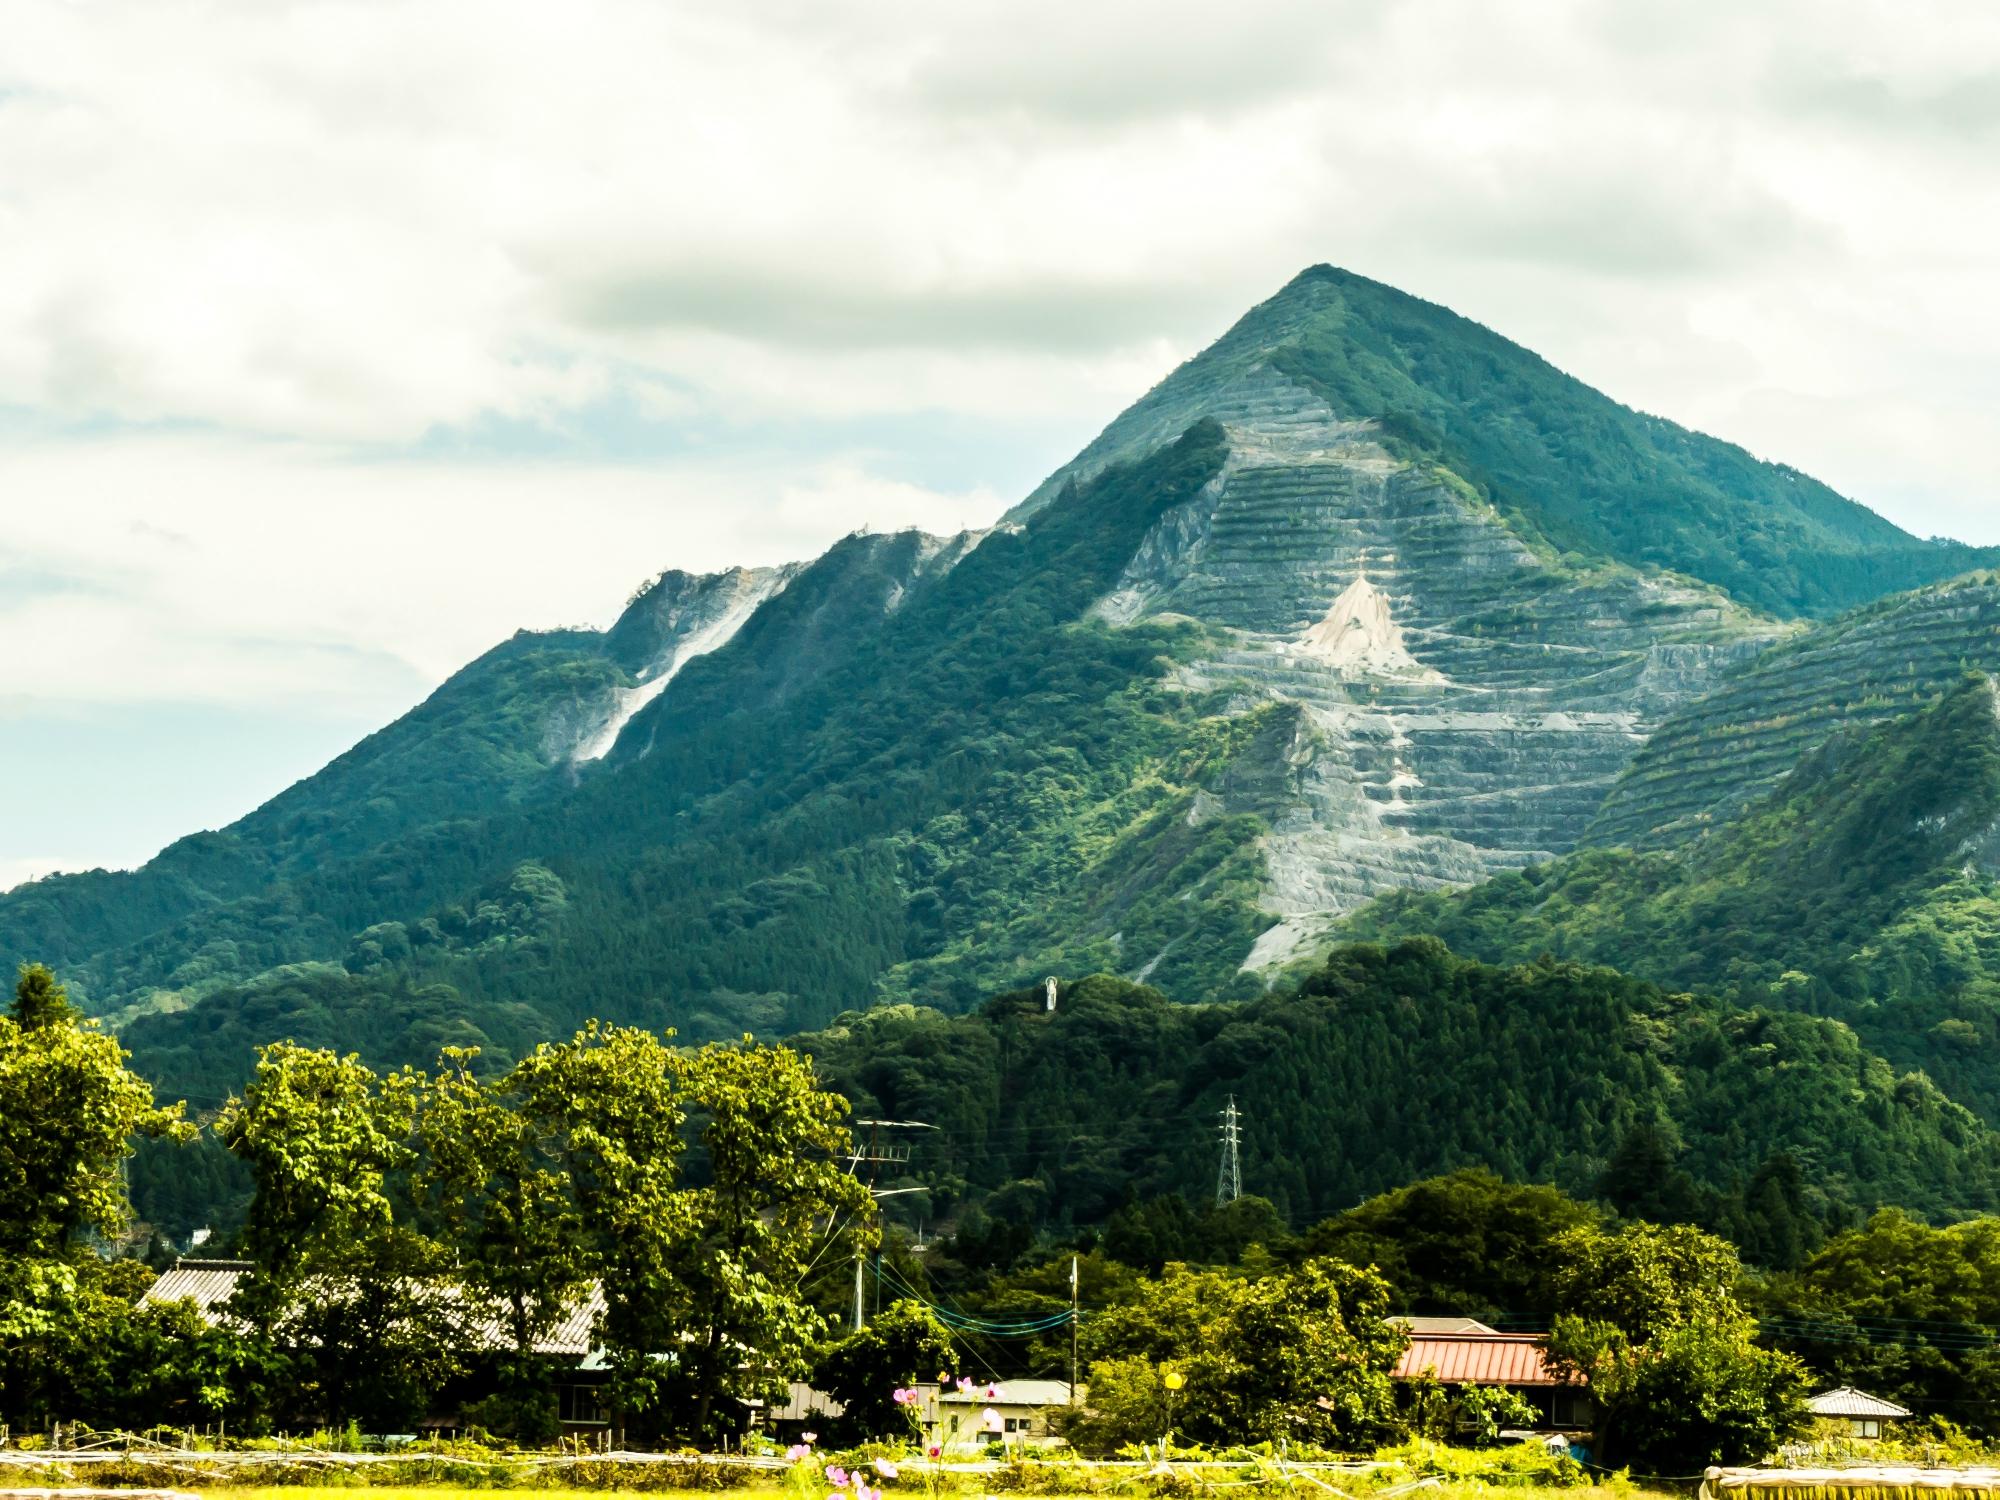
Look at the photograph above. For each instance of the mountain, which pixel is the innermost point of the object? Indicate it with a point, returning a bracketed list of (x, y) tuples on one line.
[(1362, 599), (1861, 887)]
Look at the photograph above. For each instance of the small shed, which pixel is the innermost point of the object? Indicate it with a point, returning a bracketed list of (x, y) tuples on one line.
[(1864, 1414)]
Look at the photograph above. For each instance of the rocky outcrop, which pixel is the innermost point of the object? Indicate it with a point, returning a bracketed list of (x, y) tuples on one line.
[(674, 619)]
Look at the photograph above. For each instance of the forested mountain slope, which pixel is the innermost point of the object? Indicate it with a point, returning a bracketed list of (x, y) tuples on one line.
[(500, 730), (1363, 599), (1862, 887), (1388, 1065)]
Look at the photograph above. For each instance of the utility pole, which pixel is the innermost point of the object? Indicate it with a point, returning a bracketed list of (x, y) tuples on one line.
[(875, 1153), (1073, 1311), (1229, 1174)]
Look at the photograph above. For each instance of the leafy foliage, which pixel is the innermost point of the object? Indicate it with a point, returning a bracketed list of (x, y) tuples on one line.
[(1302, 1354), (1650, 1319), (1901, 1309), (69, 1108)]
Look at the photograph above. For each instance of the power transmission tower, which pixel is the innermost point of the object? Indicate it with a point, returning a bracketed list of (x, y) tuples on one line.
[(1229, 1175)]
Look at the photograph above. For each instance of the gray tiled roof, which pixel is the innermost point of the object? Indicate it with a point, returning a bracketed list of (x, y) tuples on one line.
[(1848, 1402), (209, 1284)]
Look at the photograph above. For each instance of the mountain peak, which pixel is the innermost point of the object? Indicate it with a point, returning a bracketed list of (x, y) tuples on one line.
[(1336, 354)]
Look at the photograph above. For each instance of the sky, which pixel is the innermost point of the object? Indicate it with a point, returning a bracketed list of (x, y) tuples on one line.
[(341, 339)]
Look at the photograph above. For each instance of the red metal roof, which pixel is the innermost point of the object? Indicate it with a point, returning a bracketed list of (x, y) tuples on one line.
[(1476, 1359)]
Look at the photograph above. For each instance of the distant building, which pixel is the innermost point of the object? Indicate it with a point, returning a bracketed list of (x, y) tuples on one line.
[(575, 1367), (1416, 1323), (1865, 1415), (803, 1410), (1019, 1414), (1512, 1361)]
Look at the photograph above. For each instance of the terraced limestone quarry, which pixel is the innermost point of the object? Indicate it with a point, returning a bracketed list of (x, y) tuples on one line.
[(1714, 756), (1459, 703)]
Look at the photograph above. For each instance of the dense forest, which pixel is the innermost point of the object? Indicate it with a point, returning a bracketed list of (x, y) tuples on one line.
[(383, 1204), (1391, 1064)]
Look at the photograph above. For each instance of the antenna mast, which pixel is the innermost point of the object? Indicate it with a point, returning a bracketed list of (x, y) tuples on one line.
[(877, 1152)]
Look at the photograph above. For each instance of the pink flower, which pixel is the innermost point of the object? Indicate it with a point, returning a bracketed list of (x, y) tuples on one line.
[(886, 1469), (965, 1382), (797, 1451), (837, 1477), (808, 1438), (934, 1450), (905, 1396), (993, 1393), (862, 1492)]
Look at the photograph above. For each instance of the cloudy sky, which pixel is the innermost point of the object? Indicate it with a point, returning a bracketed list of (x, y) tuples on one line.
[(340, 339)]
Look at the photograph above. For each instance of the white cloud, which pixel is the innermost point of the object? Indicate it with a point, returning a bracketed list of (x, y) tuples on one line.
[(296, 579)]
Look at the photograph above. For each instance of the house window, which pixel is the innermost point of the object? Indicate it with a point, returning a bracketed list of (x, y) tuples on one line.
[(1017, 1424), (579, 1403), (1867, 1427), (1569, 1409)]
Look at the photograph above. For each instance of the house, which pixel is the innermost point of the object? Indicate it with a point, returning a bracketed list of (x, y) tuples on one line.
[(575, 1366), (1864, 1414), (960, 1421), (1513, 1361), (1013, 1412)]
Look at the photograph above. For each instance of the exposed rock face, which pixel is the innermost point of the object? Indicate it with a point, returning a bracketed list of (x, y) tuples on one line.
[(1461, 703), (1716, 755), (673, 620)]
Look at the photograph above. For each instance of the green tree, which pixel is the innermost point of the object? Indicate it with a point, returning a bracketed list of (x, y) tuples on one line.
[(1468, 1243), (1650, 1320), (611, 1104), (1125, 1404), (903, 1344), (497, 1195), (39, 1000), (1303, 1353), (69, 1112), (359, 1300), (1938, 1289), (1307, 1356), (772, 1138)]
